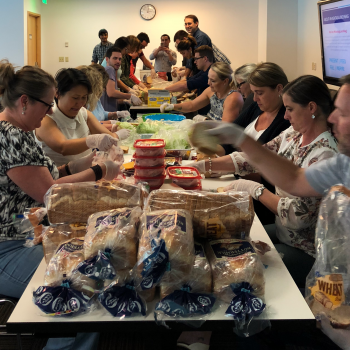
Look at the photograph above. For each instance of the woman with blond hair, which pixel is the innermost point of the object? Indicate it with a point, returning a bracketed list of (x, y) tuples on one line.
[(225, 101)]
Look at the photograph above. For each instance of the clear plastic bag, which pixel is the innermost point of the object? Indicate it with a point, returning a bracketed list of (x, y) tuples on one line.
[(115, 154), (166, 250), (174, 139), (32, 225), (114, 232), (214, 215), (70, 203), (328, 283)]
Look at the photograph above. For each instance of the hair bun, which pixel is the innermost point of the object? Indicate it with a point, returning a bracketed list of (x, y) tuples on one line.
[(7, 75)]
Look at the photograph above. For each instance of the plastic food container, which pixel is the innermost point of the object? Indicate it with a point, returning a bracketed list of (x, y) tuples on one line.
[(154, 182), (149, 171), (149, 161), (186, 177), (149, 147)]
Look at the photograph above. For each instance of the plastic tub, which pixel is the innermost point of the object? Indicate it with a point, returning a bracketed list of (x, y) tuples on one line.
[(149, 147), (154, 182), (186, 177), (149, 171), (149, 161), (165, 116)]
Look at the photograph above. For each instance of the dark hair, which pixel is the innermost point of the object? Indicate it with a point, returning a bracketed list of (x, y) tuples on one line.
[(345, 79), (31, 81), (165, 35), (186, 44), (111, 50), (268, 74), (102, 31), (134, 43), (309, 88), (195, 18), (206, 51), (69, 78), (143, 37), (121, 42), (180, 35)]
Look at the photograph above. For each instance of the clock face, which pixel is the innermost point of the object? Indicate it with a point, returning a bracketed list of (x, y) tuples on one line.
[(148, 12)]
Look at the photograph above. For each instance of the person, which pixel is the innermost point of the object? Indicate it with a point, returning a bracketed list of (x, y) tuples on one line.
[(100, 49), (144, 40), (203, 60), (307, 141), (164, 57), (27, 173), (191, 26), (186, 47), (241, 76), (66, 131), (112, 95), (225, 102)]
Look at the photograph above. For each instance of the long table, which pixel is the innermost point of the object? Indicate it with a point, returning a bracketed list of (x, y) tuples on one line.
[(283, 298)]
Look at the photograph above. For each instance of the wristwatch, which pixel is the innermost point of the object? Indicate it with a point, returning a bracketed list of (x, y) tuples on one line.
[(259, 192)]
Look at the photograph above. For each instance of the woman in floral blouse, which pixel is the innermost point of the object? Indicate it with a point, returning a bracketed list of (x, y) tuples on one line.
[(309, 140)]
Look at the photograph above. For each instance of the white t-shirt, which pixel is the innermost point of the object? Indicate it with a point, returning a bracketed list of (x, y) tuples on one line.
[(71, 128), (251, 131)]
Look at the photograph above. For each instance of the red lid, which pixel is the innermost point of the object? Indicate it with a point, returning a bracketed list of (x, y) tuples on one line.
[(149, 167), (149, 143), (148, 157), (183, 172)]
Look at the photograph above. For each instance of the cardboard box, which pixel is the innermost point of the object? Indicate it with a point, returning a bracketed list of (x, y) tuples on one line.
[(158, 97)]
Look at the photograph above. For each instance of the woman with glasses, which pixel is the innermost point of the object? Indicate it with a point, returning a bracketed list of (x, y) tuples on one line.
[(241, 76), (225, 102), (67, 132)]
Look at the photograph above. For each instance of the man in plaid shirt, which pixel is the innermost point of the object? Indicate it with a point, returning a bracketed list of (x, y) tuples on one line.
[(100, 50)]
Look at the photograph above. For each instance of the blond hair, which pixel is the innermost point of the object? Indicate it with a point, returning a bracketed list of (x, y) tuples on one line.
[(134, 43), (268, 74), (223, 71)]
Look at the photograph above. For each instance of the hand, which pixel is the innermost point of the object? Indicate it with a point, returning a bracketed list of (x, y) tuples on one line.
[(101, 141), (243, 185), (76, 166), (123, 114), (153, 73), (142, 86), (135, 101), (166, 107), (132, 92), (227, 133), (136, 87), (123, 134), (200, 166), (199, 118), (112, 169), (341, 337)]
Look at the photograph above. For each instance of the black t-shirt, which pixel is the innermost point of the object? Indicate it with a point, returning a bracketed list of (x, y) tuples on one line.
[(192, 66)]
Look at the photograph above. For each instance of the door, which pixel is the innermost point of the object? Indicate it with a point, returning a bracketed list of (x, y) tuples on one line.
[(34, 39)]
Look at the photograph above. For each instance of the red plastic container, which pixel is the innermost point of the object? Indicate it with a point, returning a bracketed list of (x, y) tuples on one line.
[(149, 147), (149, 171), (149, 161), (185, 177), (154, 182)]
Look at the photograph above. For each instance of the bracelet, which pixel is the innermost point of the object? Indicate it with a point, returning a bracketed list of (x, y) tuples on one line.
[(66, 167), (210, 164), (98, 172)]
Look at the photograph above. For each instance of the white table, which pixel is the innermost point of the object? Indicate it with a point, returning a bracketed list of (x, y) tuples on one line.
[(282, 297)]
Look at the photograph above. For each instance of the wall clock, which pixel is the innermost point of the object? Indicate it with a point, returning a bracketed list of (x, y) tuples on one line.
[(148, 12)]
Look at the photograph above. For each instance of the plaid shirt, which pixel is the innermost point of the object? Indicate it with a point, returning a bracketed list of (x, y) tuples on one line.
[(99, 52), (219, 56)]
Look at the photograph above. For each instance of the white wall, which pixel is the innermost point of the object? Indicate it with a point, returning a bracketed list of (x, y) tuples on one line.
[(231, 24), (11, 29)]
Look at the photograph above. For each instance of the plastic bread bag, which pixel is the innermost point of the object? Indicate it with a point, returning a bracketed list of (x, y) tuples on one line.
[(75, 202), (238, 280), (115, 232), (328, 283), (115, 154), (121, 299), (166, 249), (215, 215)]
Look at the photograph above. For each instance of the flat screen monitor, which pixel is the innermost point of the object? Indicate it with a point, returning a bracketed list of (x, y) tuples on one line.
[(334, 19)]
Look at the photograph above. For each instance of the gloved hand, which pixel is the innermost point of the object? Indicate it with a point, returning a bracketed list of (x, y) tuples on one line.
[(136, 87), (132, 92), (200, 166), (101, 141), (123, 114), (76, 166), (243, 185), (199, 118), (112, 170), (142, 85), (135, 101), (166, 107), (123, 134), (341, 337), (114, 122), (153, 73), (228, 133)]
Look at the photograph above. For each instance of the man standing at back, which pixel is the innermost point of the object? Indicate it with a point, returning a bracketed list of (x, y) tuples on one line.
[(100, 49)]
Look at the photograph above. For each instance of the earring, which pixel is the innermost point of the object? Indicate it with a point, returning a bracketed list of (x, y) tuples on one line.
[(313, 116), (279, 96), (24, 110)]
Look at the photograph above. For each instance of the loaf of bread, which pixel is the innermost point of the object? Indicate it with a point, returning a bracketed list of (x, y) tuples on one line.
[(70, 203), (114, 231), (171, 230), (56, 235), (215, 215), (234, 261), (200, 280)]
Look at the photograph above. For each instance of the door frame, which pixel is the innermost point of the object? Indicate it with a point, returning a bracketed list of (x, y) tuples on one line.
[(38, 36)]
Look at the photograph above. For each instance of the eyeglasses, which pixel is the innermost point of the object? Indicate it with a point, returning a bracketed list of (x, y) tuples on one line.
[(197, 58), (49, 105), (240, 84)]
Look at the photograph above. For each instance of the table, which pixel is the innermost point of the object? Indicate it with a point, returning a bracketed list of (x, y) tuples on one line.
[(283, 298)]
